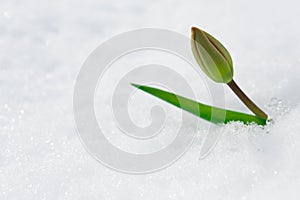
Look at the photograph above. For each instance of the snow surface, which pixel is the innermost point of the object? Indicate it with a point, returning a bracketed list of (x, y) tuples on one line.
[(43, 45)]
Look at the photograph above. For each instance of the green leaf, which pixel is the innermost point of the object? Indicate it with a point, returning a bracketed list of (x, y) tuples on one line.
[(209, 113)]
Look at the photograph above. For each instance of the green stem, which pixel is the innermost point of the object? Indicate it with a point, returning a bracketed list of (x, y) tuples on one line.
[(248, 102)]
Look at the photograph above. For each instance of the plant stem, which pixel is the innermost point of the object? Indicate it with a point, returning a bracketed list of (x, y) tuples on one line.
[(243, 97)]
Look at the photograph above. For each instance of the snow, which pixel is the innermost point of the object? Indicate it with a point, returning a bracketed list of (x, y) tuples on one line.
[(43, 45)]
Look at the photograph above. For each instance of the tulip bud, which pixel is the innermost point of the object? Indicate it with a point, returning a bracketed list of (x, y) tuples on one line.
[(212, 56)]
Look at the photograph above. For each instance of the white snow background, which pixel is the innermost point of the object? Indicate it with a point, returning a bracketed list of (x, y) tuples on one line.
[(42, 47)]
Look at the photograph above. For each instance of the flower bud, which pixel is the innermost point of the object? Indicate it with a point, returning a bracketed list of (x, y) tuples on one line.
[(212, 56)]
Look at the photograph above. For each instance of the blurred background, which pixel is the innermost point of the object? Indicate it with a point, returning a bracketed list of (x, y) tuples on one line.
[(42, 47)]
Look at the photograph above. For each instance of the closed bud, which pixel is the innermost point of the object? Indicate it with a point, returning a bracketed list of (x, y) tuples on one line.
[(212, 56)]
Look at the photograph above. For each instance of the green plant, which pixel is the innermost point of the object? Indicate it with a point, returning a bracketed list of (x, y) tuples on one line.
[(216, 62)]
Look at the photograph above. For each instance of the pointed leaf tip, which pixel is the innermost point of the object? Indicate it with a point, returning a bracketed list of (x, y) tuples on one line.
[(135, 85)]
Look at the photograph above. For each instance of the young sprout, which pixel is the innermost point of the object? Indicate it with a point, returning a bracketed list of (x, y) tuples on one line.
[(201, 110), (216, 62)]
